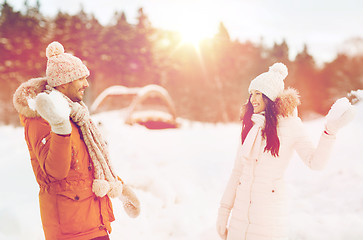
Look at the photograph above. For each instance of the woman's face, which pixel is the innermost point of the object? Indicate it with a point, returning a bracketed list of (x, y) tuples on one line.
[(257, 102)]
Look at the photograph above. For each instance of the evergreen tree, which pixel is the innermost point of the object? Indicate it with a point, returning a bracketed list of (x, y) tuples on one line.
[(208, 83), (224, 74), (222, 34), (21, 38), (114, 51), (343, 75), (280, 53), (305, 78), (142, 63)]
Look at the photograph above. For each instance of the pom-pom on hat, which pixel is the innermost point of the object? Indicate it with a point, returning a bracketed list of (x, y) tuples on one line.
[(63, 67), (270, 83)]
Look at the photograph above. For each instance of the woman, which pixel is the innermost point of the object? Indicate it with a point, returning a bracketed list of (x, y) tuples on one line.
[(271, 131)]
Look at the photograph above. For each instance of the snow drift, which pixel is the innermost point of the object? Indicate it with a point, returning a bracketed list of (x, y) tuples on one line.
[(179, 176)]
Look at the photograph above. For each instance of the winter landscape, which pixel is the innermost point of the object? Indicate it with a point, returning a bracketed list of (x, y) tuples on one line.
[(179, 176), (204, 54)]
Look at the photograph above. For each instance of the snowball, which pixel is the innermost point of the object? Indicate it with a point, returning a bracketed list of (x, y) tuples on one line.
[(355, 96)]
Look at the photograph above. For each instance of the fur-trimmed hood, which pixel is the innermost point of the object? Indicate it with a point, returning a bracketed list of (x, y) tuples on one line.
[(286, 103), (27, 91)]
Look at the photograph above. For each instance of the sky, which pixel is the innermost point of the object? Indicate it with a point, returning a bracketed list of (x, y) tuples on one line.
[(324, 25)]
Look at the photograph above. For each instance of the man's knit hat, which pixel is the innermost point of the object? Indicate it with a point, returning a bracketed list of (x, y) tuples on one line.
[(63, 67), (270, 83)]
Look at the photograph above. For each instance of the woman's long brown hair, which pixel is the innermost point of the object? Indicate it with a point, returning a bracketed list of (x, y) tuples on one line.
[(270, 130)]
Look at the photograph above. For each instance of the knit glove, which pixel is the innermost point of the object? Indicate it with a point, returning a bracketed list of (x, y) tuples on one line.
[(339, 115), (222, 220), (130, 201), (54, 108)]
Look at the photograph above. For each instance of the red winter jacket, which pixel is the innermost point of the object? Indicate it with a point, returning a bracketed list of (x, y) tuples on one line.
[(62, 167)]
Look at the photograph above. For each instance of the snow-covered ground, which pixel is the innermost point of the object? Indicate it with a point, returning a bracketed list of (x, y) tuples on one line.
[(179, 176)]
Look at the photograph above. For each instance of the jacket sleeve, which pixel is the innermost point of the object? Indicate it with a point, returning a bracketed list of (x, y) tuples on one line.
[(314, 157), (229, 194), (52, 151)]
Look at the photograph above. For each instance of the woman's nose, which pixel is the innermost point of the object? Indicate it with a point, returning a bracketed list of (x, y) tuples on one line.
[(252, 98)]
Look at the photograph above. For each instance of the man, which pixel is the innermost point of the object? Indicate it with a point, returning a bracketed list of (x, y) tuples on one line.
[(68, 155)]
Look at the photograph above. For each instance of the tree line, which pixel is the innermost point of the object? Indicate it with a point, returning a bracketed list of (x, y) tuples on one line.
[(206, 84)]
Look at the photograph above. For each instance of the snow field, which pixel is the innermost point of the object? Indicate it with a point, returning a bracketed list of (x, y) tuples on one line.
[(179, 176)]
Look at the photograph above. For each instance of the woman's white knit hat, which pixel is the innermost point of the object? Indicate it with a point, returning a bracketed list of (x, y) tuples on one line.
[(270, 83), (63, 67)]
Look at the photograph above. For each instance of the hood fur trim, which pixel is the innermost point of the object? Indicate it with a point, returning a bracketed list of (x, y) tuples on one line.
[(28, 90), (285, 103)]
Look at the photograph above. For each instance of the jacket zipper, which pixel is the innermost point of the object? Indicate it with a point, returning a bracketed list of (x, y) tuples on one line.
[(249, 207)]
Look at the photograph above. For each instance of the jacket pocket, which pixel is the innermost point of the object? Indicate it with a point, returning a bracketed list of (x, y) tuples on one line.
[(78, 212)]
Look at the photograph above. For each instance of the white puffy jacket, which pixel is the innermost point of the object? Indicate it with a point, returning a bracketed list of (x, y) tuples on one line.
[(256, 189)]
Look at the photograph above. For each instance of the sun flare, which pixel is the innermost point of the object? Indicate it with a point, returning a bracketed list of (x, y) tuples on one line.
[(194, 34), (195, 28)]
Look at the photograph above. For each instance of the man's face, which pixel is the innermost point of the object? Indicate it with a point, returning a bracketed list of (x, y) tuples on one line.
[(75, 90)]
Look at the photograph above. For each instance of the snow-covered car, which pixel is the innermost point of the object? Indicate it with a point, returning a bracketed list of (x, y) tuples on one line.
[(150, 106)]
